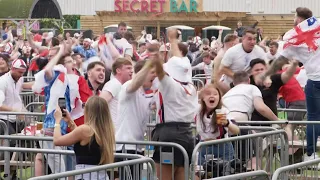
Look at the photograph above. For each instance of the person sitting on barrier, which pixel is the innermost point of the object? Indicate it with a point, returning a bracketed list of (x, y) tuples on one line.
[(176, 107), (209, 127), (240, 102), (94, 141)]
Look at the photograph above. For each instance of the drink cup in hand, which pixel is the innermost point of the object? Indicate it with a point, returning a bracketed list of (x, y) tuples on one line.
[(221, 117)]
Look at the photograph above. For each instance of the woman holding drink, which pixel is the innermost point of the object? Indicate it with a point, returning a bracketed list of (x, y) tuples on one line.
[(212, 124)]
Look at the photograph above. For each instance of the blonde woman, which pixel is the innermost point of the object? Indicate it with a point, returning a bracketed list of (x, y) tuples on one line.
[(93, 141)]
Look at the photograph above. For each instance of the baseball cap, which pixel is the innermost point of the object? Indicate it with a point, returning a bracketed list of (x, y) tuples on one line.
[(19, 64), (178, 68), (87, 39)]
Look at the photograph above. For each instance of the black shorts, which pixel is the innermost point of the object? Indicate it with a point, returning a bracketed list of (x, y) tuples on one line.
[(180, 133), (296, 116)]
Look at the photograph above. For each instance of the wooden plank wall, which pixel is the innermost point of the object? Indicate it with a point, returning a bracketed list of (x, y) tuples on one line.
[(273, 25)]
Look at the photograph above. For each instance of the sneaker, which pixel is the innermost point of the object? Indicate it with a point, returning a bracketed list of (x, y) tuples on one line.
[(312, 157)]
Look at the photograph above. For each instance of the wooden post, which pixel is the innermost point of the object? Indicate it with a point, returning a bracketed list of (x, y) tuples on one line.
[(158, 29)]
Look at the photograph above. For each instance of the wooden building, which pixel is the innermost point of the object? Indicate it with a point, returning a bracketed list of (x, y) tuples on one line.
[(156, 15)]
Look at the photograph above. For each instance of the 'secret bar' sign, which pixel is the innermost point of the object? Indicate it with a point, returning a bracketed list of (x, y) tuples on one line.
[(153, 6)]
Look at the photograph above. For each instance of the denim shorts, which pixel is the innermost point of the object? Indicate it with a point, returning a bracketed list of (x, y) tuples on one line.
[(223, 151)]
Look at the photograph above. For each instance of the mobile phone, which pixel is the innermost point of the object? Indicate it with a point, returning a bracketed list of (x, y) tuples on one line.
[(62, 105)]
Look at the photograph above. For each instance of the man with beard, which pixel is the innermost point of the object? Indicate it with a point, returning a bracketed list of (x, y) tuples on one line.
[(85, 49), (310, 59)]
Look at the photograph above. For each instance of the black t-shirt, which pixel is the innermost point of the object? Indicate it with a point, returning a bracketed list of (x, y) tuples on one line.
[(269, 95)]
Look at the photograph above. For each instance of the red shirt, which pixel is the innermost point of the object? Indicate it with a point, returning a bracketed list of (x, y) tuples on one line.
[(292, 90), (85, 94)]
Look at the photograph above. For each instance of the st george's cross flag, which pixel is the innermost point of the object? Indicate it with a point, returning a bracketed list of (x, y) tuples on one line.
[(306, 34)]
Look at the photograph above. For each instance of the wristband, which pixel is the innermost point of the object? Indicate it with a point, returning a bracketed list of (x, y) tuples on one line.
[(227, 125), (57, 125)]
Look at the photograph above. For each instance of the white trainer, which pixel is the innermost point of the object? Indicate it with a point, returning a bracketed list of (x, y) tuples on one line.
[(312, 157)]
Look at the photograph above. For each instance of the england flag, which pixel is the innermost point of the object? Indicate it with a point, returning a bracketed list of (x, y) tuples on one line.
[(306, 34)]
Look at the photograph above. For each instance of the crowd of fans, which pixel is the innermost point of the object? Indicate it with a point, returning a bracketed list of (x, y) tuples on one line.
[(112, 84)]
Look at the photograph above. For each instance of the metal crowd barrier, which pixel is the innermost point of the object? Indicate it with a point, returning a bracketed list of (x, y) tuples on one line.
[(167, 158), (28, 78), (23, 120), (35, 107), (32, 162), (297, 135), (102, 171), (202, 75), (262, 175), (304, 170), (198, 83), (26, 167), (5, 142), (264, 153), (30, 97)]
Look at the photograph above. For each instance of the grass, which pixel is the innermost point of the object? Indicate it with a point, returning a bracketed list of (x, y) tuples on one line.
[(25, 175)]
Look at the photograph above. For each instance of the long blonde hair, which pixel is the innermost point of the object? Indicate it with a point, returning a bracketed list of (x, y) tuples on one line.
[(97, 117)]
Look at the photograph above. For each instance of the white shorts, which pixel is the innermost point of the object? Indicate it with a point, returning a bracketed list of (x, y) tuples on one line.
[(102, 175)]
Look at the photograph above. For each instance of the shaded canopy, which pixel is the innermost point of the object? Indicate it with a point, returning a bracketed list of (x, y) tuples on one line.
[(30, 9)]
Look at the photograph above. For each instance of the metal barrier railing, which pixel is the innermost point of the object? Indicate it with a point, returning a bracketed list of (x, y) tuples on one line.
[(30, 97), (198, 83), (5, 143), (254, 174), (304, 170), (24, 165), (32, 162), (28, 78), (95, 172), (22, 119), (302, 136), (237, 163), (167, 158), (35, 106)]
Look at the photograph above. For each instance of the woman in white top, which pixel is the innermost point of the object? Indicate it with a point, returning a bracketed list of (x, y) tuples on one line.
[(210, 129)]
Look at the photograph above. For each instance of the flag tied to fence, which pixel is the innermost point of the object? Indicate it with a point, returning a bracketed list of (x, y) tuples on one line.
[(306, 34)]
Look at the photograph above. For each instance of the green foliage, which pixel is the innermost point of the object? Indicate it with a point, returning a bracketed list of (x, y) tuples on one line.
[(69, 22)]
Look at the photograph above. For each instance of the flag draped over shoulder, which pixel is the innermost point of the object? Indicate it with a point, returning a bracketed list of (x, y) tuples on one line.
[(306, 34)]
